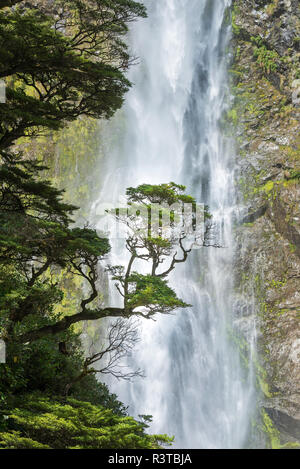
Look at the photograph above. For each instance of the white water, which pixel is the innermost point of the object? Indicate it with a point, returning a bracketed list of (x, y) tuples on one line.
[(195, 387)]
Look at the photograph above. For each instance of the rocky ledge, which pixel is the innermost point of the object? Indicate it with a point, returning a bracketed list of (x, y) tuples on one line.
[(265, 113)]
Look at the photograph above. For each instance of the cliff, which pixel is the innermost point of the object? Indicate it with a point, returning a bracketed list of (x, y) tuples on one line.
[(266, 110)]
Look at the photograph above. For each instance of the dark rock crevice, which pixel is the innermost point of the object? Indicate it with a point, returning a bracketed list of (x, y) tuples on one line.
[(269, 162)]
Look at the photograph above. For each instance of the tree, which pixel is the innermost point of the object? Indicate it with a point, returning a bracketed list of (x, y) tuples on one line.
[(121, 338), (41, 423), (62, 62), (34, 236), (44, 239)]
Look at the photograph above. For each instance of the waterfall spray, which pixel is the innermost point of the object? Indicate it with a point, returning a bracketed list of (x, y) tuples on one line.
[(195, 386)]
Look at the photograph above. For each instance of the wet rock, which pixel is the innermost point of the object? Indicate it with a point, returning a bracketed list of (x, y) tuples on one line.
[(268, 264), (285, 423)]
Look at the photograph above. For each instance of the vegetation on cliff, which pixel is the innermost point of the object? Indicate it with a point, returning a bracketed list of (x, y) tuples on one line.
[(265, 114), (61, 61)]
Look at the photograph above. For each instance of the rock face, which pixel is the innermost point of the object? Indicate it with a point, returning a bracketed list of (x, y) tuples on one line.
[(266, 110)]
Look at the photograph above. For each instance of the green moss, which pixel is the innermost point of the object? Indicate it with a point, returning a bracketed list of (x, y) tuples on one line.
[(235, 28), (268, 60), (295, 175), (233, 116), (73, 157), (270, 9), (270, 190), (292, 152), (277, 284), (241, 344), (273, 434), (244, 351), (259, 105), (261, 376)]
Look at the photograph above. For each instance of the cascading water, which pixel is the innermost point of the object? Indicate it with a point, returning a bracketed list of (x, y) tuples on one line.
[(195, 387)]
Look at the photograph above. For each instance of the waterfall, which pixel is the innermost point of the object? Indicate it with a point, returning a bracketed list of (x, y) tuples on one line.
[(169, 130)]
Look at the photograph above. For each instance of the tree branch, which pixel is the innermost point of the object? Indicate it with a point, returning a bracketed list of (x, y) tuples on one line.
[(67, 321)]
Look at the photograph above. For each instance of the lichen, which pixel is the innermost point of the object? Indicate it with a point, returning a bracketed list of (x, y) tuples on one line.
[(273, 435)]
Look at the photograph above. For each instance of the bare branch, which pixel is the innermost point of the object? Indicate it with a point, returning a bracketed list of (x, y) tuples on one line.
[(117, 345)]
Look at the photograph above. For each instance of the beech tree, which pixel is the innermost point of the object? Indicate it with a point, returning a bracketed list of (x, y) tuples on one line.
[(61, 62), (35, 235), (35, 422)]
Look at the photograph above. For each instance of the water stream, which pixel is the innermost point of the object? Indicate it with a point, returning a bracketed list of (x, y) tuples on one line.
[(195, 385)]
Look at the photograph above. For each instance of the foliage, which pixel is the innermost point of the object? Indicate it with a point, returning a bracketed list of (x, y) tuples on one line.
[(40, 422), (153, 292), (158, 194), (36, 242), (35, 236), (236, 29), (266, 59), (62, 62), (49, 365), (271, 7), (274, 435)]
